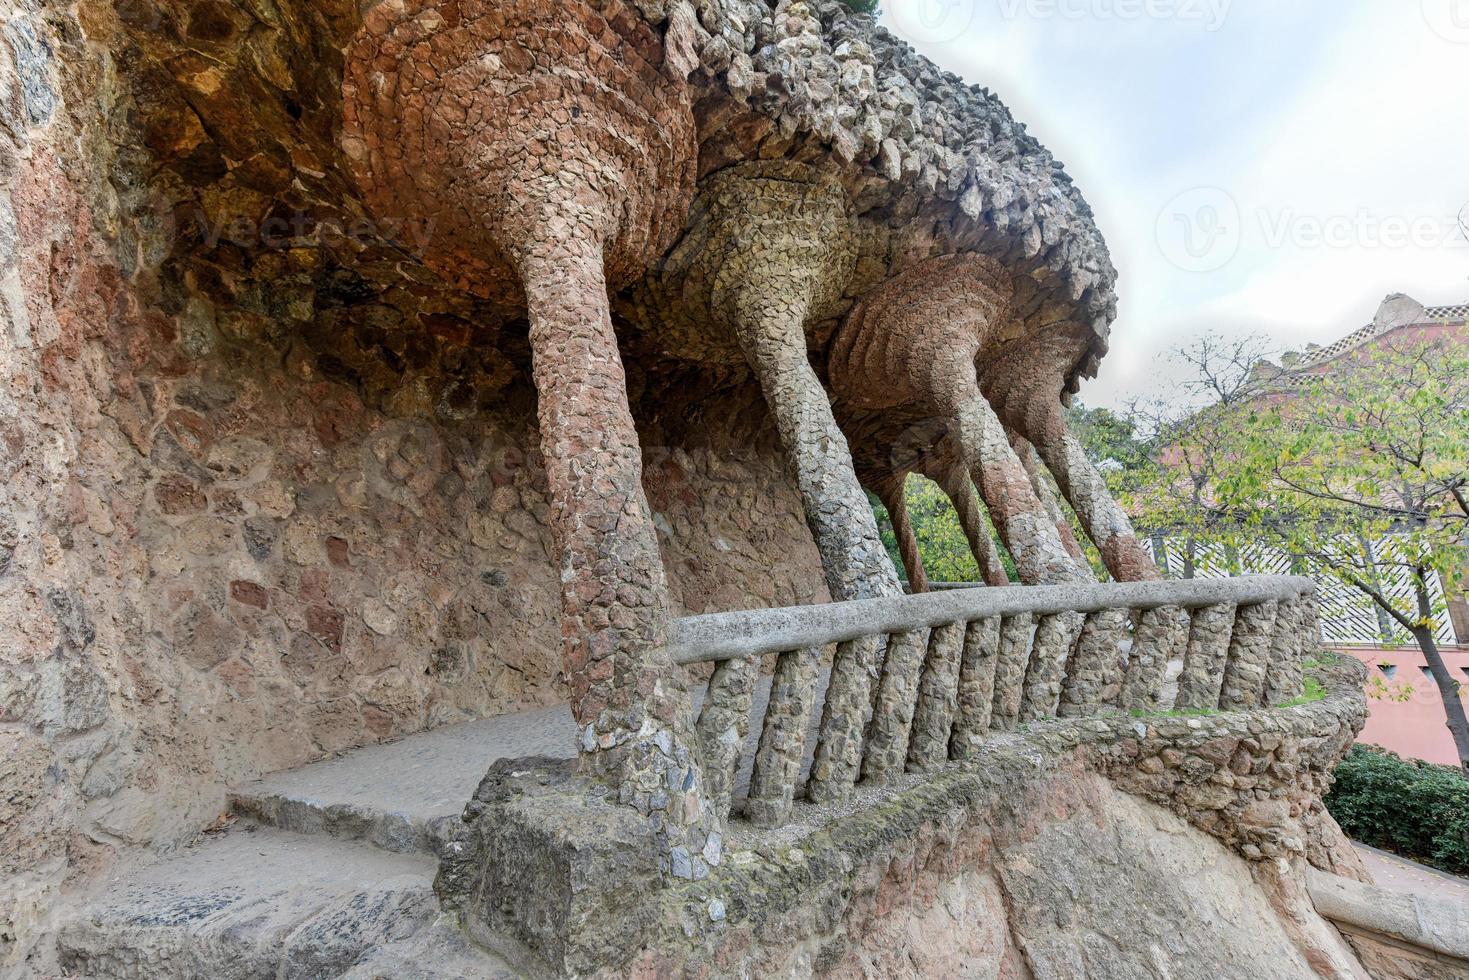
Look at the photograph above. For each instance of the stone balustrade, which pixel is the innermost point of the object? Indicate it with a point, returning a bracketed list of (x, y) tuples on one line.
[(952, 666)]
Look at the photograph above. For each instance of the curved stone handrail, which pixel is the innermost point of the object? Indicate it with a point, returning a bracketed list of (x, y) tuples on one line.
[(918, 681), (759, 632)]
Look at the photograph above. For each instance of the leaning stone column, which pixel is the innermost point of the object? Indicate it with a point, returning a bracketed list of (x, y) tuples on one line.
[(547, 158), (914, 342), (771, 247), (1048, 498), (895, 500), (1104, 521), (956, 485)]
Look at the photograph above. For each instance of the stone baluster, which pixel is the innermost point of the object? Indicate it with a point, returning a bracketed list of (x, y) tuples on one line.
[(976, 687), (897, 699), (838, 759), (1249, 657), (723, 725), (1202, 680), (783, 739), (1010, 668), (1158, 638), (938, 698), (1044, 672), (1094, 675), (1283, 679)]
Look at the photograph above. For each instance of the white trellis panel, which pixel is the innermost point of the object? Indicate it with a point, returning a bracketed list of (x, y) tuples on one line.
[(1347, 616)]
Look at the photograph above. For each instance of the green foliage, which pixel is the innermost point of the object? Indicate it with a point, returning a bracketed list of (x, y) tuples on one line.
[(862, 6), (1412, 808), (1314, 691)]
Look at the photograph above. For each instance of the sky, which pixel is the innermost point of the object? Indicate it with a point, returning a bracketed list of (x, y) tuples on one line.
[(1272, 167)]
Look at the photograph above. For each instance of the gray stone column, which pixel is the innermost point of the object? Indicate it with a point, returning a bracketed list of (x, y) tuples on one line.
[(1104, 521), (956, 485)]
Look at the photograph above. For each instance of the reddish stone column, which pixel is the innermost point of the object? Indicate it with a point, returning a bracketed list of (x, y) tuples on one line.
[(552, 145), (913, 342), (895, 499)]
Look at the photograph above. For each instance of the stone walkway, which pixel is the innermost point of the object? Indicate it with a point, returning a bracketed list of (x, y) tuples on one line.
[(1399, 874)]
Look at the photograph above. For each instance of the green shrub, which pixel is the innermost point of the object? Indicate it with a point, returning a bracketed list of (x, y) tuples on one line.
[(1412, 808), (862, 6)]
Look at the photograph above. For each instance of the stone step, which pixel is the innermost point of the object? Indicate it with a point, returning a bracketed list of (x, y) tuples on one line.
[(257, 902), (403, 796)]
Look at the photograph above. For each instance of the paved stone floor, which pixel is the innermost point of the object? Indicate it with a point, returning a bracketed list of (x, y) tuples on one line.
[(1391, 871)]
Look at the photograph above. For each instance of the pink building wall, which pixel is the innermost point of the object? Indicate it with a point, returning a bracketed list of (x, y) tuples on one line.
[(1413, 727)]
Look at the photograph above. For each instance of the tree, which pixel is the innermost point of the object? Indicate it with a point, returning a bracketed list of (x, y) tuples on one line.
[(1189, 435), (1377, 450)]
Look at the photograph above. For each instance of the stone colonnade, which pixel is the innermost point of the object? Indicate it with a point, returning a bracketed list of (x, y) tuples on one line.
[(551, 162)]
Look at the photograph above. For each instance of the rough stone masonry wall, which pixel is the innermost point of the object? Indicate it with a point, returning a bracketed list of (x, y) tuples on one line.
[(250, 517)]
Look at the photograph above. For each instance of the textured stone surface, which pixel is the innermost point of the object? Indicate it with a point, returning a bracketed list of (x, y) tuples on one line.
[(255, 903), (1203, 662), (976, 696), (782, 749)]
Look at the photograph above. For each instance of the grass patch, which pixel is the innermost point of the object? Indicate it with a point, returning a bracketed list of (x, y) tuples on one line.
[(1184, 713), (1315, 691)]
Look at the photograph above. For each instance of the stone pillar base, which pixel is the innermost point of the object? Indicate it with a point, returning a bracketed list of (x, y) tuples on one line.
[(548, 874)]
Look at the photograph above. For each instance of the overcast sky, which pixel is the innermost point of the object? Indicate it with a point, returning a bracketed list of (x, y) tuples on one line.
[(1258, 166)]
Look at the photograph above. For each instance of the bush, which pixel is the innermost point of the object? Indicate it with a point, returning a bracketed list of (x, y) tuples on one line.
[(862, 6), (1412, 808)]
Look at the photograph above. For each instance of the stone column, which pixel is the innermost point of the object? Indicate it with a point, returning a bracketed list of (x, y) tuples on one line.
[(913, 342), (1048, 498), (895, 499), (956, 484), (1104, 521), (552, 145)]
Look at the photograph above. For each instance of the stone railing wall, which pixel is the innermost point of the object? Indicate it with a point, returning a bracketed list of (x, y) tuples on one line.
[(918, 681)]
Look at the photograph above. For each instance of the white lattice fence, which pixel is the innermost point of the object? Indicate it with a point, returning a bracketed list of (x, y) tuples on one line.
[(1347, 616)]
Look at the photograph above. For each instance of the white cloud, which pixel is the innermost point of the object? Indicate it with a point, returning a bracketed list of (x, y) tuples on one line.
[(1319, 119)]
